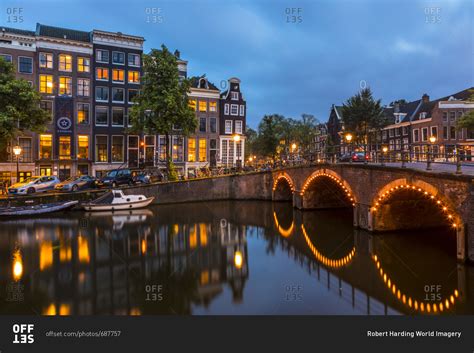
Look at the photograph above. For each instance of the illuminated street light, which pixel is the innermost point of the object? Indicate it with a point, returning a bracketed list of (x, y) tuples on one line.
[(432, 139), (293, 146), (384, 150), (348, 138), (236, 138), (430, 152), (17, 151)]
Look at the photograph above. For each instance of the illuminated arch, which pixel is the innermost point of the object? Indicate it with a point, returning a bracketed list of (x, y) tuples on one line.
[(417, 305), (283, 232), (334, 263), (424, 189), (336, 178), (285, 177)]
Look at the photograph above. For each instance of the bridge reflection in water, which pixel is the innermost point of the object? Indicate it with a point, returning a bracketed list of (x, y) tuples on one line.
[(225, 257)]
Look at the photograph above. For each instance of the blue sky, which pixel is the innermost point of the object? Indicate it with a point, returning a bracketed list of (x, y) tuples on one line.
[(395, 47)]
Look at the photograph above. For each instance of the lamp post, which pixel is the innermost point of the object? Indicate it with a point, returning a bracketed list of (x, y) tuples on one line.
[(17, 152), (348, 138), (236, 138), (384, 150), (430, 152)]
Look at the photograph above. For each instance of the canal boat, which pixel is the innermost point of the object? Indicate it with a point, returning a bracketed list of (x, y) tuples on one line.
[(116, 200), (34, 210)]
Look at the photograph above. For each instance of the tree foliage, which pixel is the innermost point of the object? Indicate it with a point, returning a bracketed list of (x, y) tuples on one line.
[(19, 106), (162, 105)]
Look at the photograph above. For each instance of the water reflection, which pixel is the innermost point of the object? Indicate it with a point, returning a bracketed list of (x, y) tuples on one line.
[(196, 259)]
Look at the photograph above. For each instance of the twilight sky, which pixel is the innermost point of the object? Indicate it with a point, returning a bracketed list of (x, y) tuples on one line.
[(401, 49)]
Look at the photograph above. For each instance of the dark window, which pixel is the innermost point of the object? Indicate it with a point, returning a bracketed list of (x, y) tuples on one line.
[(213, 124), (102, 93), (25, 65), (47, 106), (101, 116), (133, 59), (25, 144), (117, 116), (452, 132), (117, 94), (212, 144), (118, 57), (445, 132), (132, 94), (102, 56), (202, 124)]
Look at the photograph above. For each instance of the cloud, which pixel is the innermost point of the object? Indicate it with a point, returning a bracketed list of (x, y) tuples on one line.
[(404, 46)]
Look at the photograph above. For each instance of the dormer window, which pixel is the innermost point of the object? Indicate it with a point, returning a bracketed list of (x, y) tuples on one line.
[(202, 83), (234, 96), (423, 115)]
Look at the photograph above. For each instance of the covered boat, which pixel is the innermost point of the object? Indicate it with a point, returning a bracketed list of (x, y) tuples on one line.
[(116, 200), (33, 210)]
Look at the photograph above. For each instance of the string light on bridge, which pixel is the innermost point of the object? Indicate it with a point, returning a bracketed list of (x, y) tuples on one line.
[(332, 177)]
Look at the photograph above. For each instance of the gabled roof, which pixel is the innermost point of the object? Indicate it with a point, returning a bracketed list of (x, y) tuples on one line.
[(195, 83), (63, 33), (22, 32)]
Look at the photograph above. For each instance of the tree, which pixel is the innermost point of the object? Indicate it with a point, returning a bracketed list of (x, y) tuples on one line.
[(19, 106), (251, 139), (361, 114), (466, 121), (162, 105), (268, 135)]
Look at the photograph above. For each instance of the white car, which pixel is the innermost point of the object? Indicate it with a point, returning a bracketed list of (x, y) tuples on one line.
[(34, 184)]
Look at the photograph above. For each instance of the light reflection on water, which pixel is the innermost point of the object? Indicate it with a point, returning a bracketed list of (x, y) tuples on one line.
[(225, 258)]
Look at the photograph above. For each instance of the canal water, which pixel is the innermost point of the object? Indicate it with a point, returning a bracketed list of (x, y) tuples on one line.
[(226, 258)]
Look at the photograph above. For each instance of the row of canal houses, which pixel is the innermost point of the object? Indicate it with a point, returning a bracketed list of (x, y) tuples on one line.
[(410, 126), (87, 81)]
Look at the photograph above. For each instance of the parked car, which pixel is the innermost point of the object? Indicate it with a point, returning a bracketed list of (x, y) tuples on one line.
[(356, 157), (142, 178), (115, 178), (76, 183), (34, 184)]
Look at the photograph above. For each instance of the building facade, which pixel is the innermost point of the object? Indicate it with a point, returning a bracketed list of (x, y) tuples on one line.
[(117, 69), (19, 48), (232, 120)]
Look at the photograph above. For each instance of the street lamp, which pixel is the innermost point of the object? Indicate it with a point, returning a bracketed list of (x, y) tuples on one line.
[(430, 152), (348, 138), (17, 152), (236, 138), (384, 150)]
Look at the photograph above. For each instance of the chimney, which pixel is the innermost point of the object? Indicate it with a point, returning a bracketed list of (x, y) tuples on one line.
[(177, 53), (425, 98), (396, 108)]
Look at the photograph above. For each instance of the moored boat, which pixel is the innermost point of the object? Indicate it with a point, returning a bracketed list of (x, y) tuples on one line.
[(116, 200), (33, 210)]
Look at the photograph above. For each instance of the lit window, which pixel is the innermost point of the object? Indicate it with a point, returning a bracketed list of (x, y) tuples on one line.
[(102, 56), (65, 85), (117, 149), (46, 84), (102, 73), (25, 65), (101, 145), (133, 77), (82, 146), (202, 150), (212, 106), (46, 60), (118, 58), (202, 106), (65, 62), (83, 87), (117, 75), (134, 60), (192, 104), (45, 146), (83, 113), (191, 150), (64, 147), (83, 64)]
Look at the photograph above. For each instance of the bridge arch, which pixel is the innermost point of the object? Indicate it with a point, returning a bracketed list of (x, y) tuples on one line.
[(283, 187), (325, 188), (411, 205)]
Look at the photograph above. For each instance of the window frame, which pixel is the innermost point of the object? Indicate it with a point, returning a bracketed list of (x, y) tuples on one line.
[(88, 87), (67, 85), (128, 60), (102, 69), (236, 106), (123, 95), (123, 117), (96, 154), (101, 100), (66, 65), (52, 60), (97, 56), (18, 62), (95, 115), (119, 52), (225, 126), (83, 65), (88, 113), (111, 149)]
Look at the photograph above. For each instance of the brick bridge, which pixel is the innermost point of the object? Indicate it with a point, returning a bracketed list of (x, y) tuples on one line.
[(385, 198)]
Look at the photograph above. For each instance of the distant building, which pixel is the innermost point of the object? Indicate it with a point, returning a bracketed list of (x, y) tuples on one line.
[(232, 125)]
